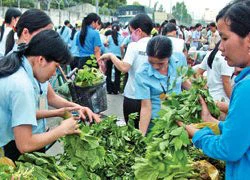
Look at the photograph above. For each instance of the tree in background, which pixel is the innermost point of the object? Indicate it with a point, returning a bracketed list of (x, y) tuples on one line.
[(180, 12)]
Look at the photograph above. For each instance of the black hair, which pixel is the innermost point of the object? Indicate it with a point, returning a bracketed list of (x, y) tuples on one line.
[(47, 43), (169, 27), (197, 25), (143, 22), (66, 22), (10, 13), (92, 17), (114, 34), (162, 26), (237, 16), (212, 55), (28, 21), (172, 21), (159, 47), (212, 24), (107, 24), (108, 32), (73, 32)]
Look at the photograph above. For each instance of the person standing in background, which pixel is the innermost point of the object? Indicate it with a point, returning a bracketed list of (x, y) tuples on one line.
[(11, 17), (113, 44), (140, 29), (88, 39), (213, 37), (65, 32)]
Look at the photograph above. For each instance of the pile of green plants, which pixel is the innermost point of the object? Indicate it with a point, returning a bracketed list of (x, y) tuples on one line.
[(108, 151), (32, 166), (103, 151), (89, 75), (167, 143)]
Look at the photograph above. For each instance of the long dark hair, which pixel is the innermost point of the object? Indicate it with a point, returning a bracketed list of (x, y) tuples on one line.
[(159, 47), (237, 16), (114, 34), (92, 17), (10, 13), (47, 43), (33, 20), (212, 55)]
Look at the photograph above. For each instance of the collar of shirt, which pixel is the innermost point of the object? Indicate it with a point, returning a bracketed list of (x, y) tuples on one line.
[(245, 72), (144, 39), (158, 75)]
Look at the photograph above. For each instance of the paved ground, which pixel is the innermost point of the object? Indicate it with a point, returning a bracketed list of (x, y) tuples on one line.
[(114, 108)]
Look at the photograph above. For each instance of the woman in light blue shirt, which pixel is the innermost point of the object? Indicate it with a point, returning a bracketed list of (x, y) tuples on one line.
[(38, 59), (233, 144), (158, 76), (113, 43)]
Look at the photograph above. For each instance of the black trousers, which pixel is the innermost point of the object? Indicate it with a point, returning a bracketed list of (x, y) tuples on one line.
[(131, 106), (11, 151), (112, 87)]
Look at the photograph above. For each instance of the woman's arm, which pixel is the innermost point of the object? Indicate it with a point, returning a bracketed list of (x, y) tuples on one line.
[(57, 101), (145, 115), (227, 85), (55, 112), (28, 142), (97, 52), (120, 65)]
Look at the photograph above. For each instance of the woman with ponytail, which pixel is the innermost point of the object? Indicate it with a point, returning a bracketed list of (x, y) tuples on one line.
[(11, 17), (218, 75), (88, 39), (38, 59), (113, 43)]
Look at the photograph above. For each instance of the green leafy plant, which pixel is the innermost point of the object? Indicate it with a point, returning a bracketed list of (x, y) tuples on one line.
[(89, 75)]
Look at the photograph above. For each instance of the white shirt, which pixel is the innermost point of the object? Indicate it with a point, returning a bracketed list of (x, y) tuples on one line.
[(178, 44), (3, 42), (135, 56), (214, 79)]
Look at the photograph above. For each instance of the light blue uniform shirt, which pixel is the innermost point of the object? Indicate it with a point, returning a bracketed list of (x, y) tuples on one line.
[(66, 34), (112, 47), (41, 123), (74, 49), (148, 82), (42, 91), (92, 40), (17, 105), (233, 145)]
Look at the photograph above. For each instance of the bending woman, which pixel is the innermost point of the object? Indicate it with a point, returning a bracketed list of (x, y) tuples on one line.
[(38, 59)]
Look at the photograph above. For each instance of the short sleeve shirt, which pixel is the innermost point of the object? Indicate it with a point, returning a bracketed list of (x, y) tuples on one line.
[(150, 84), (17, 105), (92, 40), (136, 56), (214, 76)]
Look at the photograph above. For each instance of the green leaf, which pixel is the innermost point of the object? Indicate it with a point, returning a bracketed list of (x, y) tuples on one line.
[(177, 131), (177, 143)]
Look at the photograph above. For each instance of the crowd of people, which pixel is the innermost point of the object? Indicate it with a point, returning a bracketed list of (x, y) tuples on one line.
[(149, 54)]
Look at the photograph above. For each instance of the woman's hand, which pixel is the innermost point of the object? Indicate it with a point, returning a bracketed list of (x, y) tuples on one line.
[(191, 130), (85, 111), (62, 112), (70, 126), (205, 114), (105, 57)]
